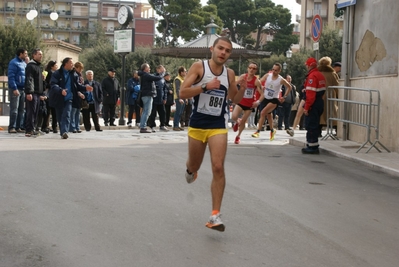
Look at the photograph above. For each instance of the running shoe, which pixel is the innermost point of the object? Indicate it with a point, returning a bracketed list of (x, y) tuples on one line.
[(191, 177), (235, 127), (272, 134), (290, 132), (237, 141), (215, 223), (255, 134)]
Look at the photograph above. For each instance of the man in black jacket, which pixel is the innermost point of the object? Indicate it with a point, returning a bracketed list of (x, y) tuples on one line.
[(148, 92), (33, 90), (111, 91)]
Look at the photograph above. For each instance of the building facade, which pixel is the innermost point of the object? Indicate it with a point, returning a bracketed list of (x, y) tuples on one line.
[(310, 8), (78, 18)]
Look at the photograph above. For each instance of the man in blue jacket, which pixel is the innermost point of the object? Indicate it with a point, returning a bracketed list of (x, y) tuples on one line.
[(16, 84), (66, 92)]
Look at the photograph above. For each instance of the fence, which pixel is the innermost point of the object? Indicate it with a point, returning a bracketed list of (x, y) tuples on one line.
[(364, 113), (4, 103)]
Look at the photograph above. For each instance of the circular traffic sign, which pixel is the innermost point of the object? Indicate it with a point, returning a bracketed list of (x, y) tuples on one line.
[(316, 28)]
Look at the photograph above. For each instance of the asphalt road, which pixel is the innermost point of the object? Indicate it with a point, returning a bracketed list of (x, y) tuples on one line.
[(121, 200)]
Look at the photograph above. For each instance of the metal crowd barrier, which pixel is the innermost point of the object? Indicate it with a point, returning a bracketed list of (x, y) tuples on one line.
[(4, 101), (364, 113)]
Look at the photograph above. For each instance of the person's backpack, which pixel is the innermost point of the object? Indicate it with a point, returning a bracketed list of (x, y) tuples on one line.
[(291, 96), (136, 92)]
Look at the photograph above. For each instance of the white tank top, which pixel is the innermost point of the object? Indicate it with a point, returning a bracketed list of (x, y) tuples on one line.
[(272, 87)]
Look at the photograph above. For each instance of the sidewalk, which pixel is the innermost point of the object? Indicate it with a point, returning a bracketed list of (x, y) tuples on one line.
[(384, 161)]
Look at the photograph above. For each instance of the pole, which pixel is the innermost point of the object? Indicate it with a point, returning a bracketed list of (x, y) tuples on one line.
[(123, 90)]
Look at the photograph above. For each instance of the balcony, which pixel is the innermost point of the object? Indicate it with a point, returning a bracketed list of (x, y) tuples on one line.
[(298, 18), (312, 12)]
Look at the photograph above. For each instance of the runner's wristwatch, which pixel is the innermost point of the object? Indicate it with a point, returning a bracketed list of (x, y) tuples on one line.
[(203, 87)]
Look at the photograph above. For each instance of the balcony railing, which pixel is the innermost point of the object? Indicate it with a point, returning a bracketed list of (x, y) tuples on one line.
[(312, 12)]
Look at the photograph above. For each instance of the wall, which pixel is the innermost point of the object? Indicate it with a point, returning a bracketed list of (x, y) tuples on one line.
[(374, 61)]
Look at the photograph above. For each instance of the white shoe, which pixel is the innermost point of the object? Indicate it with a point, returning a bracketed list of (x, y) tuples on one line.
[(215, 223)]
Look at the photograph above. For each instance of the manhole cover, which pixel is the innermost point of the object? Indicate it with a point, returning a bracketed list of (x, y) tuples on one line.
[(316, 161)]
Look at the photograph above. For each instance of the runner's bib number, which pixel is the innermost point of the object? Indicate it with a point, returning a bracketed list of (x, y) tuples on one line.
[(211, 102), (249, 93), (269, 92)]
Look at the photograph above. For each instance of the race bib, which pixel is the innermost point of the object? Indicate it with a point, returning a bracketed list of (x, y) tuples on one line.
[(211, 102), (249, 93), (269, 92)]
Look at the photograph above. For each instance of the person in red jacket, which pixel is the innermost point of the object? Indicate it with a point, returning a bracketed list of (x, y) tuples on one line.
[(315, 86)]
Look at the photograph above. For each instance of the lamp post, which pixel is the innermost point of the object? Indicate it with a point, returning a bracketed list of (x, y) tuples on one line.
[(285, 66), (35, 12), (288, 55)]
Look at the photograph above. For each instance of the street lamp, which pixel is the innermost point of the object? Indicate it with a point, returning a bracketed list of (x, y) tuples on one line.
[(35, 12), (288, 53)]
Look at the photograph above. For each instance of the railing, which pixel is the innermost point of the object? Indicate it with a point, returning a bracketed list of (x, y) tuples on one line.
[(4, 103), (361, 113)]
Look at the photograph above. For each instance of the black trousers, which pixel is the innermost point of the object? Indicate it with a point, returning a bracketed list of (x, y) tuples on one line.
[(32, 111), (185, 117), (134, 109), (167, 114), (160, 108), (109, 113), (312, 122), (86, 118)]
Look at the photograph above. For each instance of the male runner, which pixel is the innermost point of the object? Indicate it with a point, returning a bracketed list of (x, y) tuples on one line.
[(211, 84), (273, 83), (247, 103)]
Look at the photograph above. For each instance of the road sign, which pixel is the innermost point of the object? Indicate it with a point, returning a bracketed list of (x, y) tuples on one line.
[(316, 28), (345, 3)]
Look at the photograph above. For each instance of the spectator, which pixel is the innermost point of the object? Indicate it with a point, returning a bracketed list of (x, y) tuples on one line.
[(94, 99), (133, 88), (50, 68), (158, 103), (285, 107), (148, 92), (65, 86), (180, 103), (331, 78), (111, 91), (33, 90), (169, 99), (185, 116), (16, 84), (75, 112), (337, 67)]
